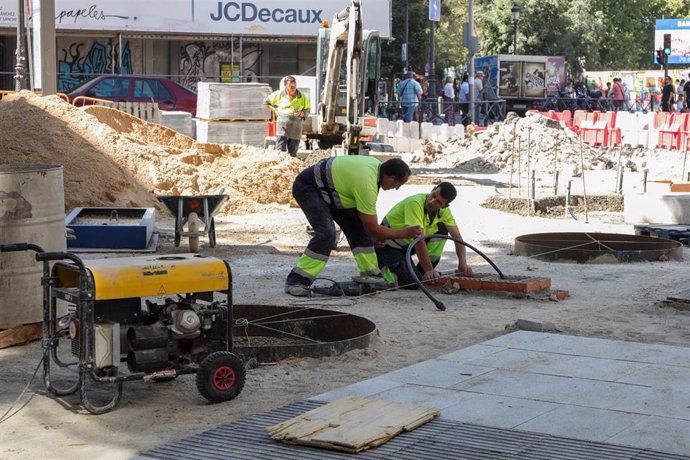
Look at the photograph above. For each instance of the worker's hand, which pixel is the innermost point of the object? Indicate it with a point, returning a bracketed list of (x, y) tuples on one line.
[(380, 243), (464, 269), (431, 275), (411, 232)]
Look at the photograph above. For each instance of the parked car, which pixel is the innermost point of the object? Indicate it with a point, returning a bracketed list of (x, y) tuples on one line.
[(137, 88)]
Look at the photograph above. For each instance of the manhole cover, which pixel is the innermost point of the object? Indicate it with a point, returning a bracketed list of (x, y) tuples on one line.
[(271, 333), (607, 248)]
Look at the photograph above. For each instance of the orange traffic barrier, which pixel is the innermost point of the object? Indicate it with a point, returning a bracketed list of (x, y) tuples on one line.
[(80, 101)]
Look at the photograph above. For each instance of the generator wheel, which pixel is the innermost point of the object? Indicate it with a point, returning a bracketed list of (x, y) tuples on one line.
[(220, 377), (193, 223)]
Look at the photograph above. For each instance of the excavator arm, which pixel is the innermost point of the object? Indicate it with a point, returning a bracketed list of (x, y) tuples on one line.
[(345, 43)]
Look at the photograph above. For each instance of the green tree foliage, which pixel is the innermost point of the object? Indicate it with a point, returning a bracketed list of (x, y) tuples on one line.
[(613, 35), (418, 48)]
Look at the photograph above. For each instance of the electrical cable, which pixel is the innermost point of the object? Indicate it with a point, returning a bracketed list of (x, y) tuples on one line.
[(413, 272), (4, 416)]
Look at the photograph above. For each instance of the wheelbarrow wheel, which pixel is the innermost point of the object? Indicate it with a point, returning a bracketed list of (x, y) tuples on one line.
[(212, 233), (220, 377), (193, 223)]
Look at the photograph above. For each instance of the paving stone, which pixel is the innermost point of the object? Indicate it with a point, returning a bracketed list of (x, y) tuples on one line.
[(365, 389), (496, 411), (438, 398), (468, 354), (438, 373), (582, 423), (664, 434)]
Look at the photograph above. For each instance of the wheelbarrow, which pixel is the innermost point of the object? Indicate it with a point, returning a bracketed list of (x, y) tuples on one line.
[(194, 211)]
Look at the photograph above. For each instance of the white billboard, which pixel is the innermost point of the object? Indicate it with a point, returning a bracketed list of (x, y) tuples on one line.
[(240, 17), (679, 30)]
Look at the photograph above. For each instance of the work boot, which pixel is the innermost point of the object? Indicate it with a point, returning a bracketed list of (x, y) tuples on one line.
[(298, 290)]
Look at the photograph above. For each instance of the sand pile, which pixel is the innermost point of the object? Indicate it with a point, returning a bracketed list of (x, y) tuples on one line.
[(113, 159), (546, 145)]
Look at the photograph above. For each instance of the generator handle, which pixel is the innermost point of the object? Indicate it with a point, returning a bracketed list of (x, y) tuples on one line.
[(16, 247), (53, 256)]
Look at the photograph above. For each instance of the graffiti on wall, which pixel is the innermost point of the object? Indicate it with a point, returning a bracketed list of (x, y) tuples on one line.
[(201, 61), (81, 61), (194, 59)]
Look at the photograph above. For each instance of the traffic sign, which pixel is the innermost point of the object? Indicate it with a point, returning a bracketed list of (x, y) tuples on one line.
[(435, 10)]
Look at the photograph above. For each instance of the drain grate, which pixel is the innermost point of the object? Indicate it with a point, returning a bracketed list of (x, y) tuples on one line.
[(436, 440)]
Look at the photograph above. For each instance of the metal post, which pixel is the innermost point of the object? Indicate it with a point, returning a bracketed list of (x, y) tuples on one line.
[(19, 68), (515, 26), (432, 64), (533, 193), (470, 67), (407, 36), (119, 52), (241, 59)]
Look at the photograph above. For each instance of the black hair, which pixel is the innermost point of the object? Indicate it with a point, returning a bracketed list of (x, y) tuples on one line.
[(447, 190), (397, 168)]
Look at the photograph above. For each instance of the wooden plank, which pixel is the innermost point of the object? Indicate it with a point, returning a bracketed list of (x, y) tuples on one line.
[(352, 424), (21, 334)]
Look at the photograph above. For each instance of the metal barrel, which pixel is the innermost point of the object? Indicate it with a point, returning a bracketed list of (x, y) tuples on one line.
[(32, 210)]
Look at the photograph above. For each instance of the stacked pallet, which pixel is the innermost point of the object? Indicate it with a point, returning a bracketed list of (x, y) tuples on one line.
[(178, 121), (232, 113)]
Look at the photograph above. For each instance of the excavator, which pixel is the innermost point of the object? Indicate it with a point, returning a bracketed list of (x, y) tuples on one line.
[(347, 76)]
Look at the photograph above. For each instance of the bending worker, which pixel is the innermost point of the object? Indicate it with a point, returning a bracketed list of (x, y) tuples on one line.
[(290, 107), (344, 190), (431, 212)]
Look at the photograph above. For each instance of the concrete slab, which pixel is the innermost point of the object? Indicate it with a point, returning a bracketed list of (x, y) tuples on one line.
[(468, 354), (437, 373), (567, 421), (364, 389), (658, 433), (497, 411), (438, 398), (588, 389)]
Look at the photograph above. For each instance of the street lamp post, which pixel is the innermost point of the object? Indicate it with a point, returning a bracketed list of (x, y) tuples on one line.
[(515, 11)]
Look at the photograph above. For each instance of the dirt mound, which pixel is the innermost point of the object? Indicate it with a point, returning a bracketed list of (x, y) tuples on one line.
[(150, 133), (113, 159), (35, 130), (554, 206)]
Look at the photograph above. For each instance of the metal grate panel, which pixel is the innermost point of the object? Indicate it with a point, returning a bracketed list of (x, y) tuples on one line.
[(436, 440)]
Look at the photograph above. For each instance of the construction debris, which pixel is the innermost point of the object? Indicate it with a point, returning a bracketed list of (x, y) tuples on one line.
[(543, 145)]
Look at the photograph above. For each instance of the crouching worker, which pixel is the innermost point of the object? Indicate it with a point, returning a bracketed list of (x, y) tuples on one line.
[(431, 212), (344, 190)]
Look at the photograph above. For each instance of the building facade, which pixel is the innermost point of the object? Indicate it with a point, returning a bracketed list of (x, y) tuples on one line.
[(186, 40)]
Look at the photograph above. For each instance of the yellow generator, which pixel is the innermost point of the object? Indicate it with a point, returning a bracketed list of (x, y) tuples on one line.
[(148, 318)]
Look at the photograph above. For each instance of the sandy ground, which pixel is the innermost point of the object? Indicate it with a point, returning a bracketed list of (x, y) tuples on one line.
[(607, 301)]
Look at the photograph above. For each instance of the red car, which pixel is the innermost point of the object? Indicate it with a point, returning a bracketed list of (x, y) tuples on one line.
[(137, 88)]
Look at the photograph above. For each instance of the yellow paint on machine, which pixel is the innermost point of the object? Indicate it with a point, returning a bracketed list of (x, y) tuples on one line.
[(145, 276)]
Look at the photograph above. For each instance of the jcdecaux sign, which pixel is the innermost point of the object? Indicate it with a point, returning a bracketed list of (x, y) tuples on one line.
[(249, 12), (249, 17)]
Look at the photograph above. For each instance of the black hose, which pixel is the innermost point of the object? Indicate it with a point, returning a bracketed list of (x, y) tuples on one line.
[(413, 272)]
